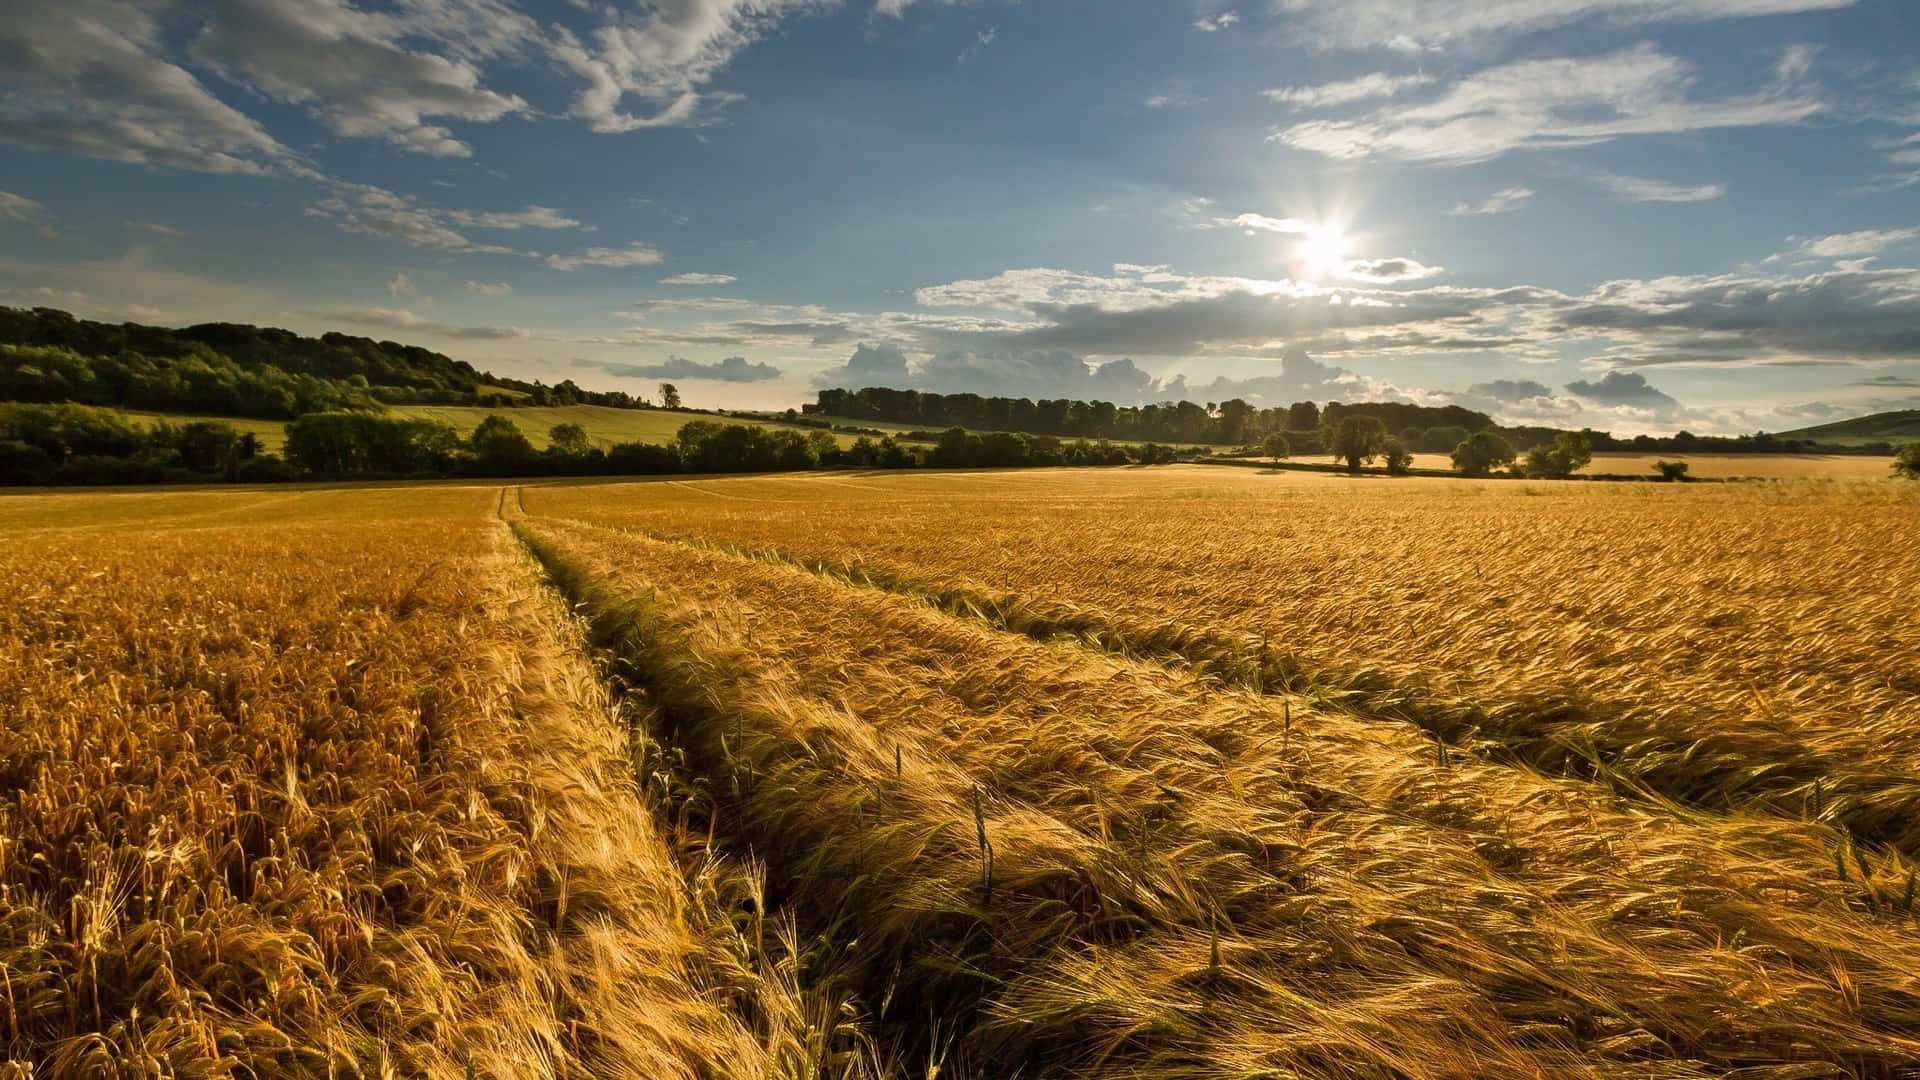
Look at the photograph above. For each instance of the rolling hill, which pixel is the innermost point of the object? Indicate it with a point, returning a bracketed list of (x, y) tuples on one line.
[(1899, 426)]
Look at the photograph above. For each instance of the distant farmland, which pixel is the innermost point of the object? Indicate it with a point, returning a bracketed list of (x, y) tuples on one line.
[(1121, 774)]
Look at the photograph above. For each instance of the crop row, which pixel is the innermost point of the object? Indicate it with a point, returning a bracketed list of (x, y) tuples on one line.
[(1728, 648), (1115, 868)]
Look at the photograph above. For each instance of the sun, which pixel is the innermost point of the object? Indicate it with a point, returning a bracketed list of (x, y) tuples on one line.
[(1322, 251)]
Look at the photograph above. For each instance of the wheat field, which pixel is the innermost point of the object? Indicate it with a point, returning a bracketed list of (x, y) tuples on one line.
[(1150, 773)]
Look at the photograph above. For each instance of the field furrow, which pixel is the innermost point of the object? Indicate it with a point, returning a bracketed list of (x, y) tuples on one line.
[(1115, 868)]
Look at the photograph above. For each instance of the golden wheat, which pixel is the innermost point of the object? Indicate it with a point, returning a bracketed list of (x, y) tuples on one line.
[(1171, 879), (1719, 645), (343, 799)]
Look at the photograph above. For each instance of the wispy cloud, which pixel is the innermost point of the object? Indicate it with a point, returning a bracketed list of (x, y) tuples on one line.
[(632, 255), (1536, 104), (733, 369), (1855, 245), (1500, 202), (699, 279), (1379, 84), (1213, 24), (1417, 26), (981, 40), (19, 208), (533, 217), (484, 288), (1643, 189)]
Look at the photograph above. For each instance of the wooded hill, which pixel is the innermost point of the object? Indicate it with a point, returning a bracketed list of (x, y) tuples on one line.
[(233, 369)]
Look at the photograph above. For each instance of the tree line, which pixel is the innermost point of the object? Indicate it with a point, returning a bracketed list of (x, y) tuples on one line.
[(1228, 423), (77, 444)]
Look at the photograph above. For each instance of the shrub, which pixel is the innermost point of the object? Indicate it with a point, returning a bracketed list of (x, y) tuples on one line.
[(1671, 471), (1907, 462), (1399, 459)]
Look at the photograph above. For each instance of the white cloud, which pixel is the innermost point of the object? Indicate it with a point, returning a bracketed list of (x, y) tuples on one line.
[(374, 211), (733, 369), (664, 55), (400, 319), (1263, 223), (1413, 25), (632, 255), (1857, 244), (402, 285), (349, 69), (533, 217), (1624, 388), (1379, 84), (981, 41), (1537, 104), (482, 288), (19, 208), (1641, 189), (1499, 202), (1213, 24), (1388, 271), (84, 77), (699, 279)]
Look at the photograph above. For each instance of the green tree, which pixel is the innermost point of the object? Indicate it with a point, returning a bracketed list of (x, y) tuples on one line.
[(1355, 439), (1671, 471), (1570, 452), (1275, 445), (1481, 451), (500, 446), (826, 448), (1399, 459), (568, 439), (1907, 462), (669, 396)]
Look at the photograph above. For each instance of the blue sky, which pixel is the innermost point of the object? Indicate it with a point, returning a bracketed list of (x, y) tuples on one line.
[(1636, 214)]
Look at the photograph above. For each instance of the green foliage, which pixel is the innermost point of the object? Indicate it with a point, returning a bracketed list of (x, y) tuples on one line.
[(1355, 438), (1671, 471), (1481, 452), (499, 446), (1439, 440), (1275, 445), (1399, 459), (1907, 462), (568, 439), (669, 396), (352, 444), (1570, 452)]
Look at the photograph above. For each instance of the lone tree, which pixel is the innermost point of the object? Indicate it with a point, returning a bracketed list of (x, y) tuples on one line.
[(1571, 451), (1356, 439), (568, 439), (1481, 452), (1275, 445), (669, 396), (1907, 462), (1671, 471)]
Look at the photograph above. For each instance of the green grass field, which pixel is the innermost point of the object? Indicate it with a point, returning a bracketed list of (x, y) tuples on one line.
[(605, 426)]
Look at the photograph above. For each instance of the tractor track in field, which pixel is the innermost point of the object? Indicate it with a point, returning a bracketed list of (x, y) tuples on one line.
[(1532, 735)]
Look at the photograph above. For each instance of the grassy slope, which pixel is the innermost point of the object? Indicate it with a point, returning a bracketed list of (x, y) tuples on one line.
[(605, 426), (1880, 427)]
